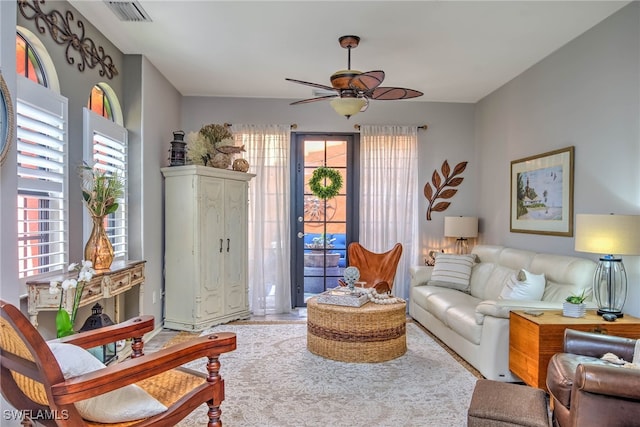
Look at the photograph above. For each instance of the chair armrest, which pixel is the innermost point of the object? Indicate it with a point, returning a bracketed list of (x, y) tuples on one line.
[(613, 381), (596, 345), (503, 308), (132, 328), (133, 370)]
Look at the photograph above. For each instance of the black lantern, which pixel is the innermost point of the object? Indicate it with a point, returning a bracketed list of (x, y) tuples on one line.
[(178, 150), (106, 353)]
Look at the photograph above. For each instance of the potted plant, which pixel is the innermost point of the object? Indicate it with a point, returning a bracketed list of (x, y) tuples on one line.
[(574, 305), (321, 254)]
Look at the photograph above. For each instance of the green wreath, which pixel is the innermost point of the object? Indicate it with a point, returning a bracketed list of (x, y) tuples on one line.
[(325, 191)]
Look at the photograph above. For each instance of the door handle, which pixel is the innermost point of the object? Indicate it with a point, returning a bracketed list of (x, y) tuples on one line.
[(220, 245), (300, 234), (228, 244)]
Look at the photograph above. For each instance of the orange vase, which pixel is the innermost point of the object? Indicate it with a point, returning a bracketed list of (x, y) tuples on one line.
[(98, 249)]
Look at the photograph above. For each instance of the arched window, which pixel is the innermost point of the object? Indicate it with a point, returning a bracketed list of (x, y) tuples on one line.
[(99, 102), (27, 62), (42, 160)]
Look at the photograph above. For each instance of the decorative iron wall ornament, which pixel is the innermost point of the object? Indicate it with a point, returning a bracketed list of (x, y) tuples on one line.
[(59, 26), (440, 184)]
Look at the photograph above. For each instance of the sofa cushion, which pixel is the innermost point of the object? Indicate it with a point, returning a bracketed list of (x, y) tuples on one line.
[(496, 281), (452, 271), (438, 303), (524, 285), (462, 319), (479, 278)]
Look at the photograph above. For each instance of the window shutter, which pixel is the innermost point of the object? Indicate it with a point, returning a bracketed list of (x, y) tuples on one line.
[(105, 145), (43, 232)]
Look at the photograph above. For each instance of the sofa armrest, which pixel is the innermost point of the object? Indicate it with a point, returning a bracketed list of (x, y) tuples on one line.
[(502, 308), (596, 345), (420, 274)]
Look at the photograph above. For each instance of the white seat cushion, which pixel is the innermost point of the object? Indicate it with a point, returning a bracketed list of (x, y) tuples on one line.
[(128, 403)]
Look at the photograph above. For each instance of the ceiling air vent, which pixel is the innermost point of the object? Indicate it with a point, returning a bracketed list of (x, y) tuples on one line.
[(128, 11)]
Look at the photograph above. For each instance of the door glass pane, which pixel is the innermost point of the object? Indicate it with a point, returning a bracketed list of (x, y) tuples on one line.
[(325, 221)]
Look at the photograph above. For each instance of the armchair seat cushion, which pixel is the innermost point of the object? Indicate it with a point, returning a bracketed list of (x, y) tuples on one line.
[(561, 372), (133, 402)]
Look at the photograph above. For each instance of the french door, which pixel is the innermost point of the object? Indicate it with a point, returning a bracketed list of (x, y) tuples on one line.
[(322, 229)]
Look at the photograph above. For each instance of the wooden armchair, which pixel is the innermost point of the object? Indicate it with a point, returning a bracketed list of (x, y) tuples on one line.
[(32, 381), (376, 269)]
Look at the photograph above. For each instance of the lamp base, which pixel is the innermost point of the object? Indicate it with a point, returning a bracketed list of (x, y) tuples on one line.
[(616, 313), (462, 247)]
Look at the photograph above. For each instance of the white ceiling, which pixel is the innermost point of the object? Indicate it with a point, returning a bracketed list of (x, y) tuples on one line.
[(457, 51)]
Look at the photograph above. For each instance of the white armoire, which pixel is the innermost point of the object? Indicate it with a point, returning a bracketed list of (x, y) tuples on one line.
[(206, 246)]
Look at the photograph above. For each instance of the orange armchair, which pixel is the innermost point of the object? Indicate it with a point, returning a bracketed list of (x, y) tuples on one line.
[(376, 269), (31, 378)]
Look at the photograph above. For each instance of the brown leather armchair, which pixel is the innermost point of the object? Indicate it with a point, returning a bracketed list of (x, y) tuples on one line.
[(587, 391), (377, 270)]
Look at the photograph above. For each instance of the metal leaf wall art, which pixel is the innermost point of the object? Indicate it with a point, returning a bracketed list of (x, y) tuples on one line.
[(441, 184)]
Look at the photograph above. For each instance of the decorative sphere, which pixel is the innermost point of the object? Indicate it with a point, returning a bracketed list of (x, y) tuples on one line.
[(240, 165), (351, 274)]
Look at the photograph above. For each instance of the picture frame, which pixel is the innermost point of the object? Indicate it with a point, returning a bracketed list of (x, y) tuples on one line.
[(542, 193)]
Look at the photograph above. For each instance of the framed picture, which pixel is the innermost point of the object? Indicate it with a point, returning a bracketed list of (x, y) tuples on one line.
[(542, 193)]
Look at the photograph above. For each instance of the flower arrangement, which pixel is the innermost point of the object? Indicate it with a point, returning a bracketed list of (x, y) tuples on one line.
[(65, 318), (213, 146), (100, 191)]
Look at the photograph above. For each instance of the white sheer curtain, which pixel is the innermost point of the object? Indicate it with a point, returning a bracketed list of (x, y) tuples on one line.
[(268, 151), (389, 194)]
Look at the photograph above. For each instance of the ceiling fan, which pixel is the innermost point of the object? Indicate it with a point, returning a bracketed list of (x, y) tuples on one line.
[(353, 89)]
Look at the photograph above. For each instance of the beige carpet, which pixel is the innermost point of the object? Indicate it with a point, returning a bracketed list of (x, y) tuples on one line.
[(271, 379)]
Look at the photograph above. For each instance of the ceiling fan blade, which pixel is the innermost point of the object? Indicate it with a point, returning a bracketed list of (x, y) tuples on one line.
[(367, 81), (318, 85), (320, 98), (390, 93)]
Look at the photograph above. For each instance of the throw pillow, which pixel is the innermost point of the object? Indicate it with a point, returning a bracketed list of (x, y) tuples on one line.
[(452, 271), (524, 285), (132, 402)]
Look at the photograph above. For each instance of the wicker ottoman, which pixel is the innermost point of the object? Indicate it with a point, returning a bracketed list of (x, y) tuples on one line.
[(371, 333)]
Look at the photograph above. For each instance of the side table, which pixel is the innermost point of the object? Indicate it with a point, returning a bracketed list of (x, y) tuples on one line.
[(534, 339)]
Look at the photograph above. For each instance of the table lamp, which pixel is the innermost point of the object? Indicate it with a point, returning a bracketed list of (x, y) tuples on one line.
[(462, 228), (609, 235)]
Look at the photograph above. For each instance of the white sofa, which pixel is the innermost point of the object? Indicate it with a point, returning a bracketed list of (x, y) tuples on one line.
[(476, 324)]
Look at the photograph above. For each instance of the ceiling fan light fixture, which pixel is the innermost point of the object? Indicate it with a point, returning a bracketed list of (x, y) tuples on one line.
[(347, 106)]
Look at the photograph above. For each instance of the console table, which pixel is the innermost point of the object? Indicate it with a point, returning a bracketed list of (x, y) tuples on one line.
[(122, 276), (533, 340)]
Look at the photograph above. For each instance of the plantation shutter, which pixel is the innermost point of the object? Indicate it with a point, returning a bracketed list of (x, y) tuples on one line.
[(42, 179), (105, 148)]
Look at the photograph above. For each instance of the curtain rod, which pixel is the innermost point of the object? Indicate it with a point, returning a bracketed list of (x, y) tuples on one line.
[(293, 125), (423, 127)]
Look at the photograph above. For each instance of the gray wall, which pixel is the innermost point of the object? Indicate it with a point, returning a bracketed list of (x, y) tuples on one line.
[(586, 94), (450, 136)]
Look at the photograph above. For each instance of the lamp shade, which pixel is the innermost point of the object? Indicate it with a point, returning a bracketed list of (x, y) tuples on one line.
[(347, 106), (608, 234), (460, 226)]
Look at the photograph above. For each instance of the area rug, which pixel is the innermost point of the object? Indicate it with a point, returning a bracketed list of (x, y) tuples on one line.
[(271, 379)]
